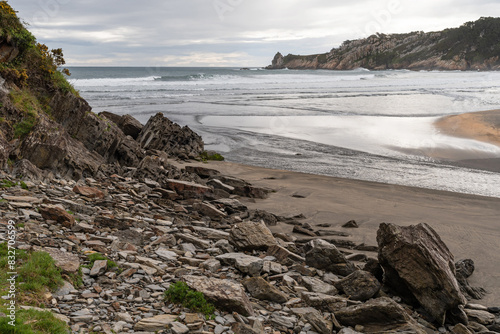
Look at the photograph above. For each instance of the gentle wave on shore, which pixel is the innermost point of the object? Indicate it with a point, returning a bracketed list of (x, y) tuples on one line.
[(375, 126)]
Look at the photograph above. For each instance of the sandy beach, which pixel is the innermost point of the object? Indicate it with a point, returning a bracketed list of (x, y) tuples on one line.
[(482, 126), (468, 224)]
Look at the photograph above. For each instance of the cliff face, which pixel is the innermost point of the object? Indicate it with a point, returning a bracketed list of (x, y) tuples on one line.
[(473, 46), (46, 126)]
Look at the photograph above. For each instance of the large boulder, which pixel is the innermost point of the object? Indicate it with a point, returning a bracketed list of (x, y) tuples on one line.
[(381, 315), (251, 236), (360, 285), (161, 134), (128, 124), (418, 265), (225, 294), (323, 255)]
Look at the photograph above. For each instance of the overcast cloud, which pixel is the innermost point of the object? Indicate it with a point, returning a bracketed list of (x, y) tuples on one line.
[(226, 32)]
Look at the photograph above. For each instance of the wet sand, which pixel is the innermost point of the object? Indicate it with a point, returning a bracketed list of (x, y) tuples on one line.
[(483, 126), (468, 224)]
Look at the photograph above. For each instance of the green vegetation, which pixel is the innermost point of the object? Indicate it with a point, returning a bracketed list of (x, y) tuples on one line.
[(37, 273), (472, 43), (181, 293), (98, 256), (7, 183), (33, 322), (206, 156)]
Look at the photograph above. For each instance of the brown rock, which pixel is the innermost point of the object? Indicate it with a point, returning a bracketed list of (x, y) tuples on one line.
[(251, 236), (284, 256), (381, 315), (88, 192), (99, 267), (259, 288), (321, 254), (68, 262), (52, 212), (325, 303), (418, 264), (360, 285), (161, 134), (225, 294), (183, 186)]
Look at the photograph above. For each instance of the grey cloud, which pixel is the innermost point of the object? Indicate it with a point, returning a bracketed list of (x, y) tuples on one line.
[(130, 32)]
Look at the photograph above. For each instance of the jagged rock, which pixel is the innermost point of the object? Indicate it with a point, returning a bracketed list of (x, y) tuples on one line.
[(128, 124), (231, 205), (89, 192), (48, 146), (244, 263), (53, 212), (209, 210), (259, 288), (482, 317), (166, 254), (183, 187), (68, 262), (351, 224), (156, 323), (98, 135), (161, 134), (321, 254), (111, 222), (464, 269), (381, 315), (460, 329), (99, 268), (202, 172), (360, 285), (314, 284), (210, 233), (26, 169), (418, 264), (242, 188), (284, 256), (225, 294), (326, 303), (319, 323), (251, 236)]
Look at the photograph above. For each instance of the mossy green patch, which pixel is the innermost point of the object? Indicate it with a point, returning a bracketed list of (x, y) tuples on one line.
[(181, 293), (33, 322)]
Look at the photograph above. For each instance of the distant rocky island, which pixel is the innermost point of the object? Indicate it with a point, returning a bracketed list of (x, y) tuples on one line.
[(472, 46)]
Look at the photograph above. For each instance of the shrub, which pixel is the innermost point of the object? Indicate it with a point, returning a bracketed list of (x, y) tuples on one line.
[(181, 293), (205, 156)]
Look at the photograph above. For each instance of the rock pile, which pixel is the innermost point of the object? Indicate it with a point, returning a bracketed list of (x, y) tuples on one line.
[(166, 230)]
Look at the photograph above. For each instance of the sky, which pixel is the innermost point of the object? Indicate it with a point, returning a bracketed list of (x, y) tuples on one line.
[(240, 33)]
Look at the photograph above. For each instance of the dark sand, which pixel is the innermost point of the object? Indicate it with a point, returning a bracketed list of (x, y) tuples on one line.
[(469, 225)]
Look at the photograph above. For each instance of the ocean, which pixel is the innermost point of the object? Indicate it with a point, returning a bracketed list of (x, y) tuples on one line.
[(359, 124)]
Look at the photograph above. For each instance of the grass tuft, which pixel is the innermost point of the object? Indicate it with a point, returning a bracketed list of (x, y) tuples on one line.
[(181, 293)]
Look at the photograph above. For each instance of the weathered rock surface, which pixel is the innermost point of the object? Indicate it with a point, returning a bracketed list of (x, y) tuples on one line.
[(156, 323), (251, 236), (259, 288), (360, 285), (381, 315), (417, 263), (225, 294), (161, 134), (323, 255)]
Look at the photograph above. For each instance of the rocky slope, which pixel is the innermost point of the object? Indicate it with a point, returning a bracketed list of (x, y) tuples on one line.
[(473, 46), (104, 184)]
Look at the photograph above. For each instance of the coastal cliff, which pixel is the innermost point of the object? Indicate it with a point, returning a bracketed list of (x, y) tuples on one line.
[(114, 236), (473, 46)]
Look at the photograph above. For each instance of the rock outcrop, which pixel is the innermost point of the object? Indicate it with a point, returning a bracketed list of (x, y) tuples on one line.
[(418, 265), (473, 46)]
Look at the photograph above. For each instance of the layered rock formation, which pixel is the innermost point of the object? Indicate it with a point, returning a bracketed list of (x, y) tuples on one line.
[(473, 46)]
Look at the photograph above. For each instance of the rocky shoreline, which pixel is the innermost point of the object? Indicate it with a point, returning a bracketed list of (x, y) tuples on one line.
[(163, 224)]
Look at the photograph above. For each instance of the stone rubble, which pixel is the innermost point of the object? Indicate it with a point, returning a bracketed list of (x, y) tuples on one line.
[(258, 282)]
